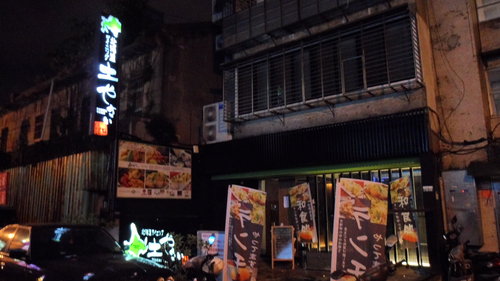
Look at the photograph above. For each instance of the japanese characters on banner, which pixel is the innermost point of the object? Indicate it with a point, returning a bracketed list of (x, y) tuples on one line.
[(360, 221), (245, 215), (303, 213), (155, 172), (402, 200), (4, 183), (107, 76)]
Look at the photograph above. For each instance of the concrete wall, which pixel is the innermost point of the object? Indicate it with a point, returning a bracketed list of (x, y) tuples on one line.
[(462, 101), (356, 110)]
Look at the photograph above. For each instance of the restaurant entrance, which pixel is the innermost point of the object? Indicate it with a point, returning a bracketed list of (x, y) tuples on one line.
[(323, 190)]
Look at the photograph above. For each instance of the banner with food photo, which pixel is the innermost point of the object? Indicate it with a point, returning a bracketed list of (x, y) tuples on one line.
[(245, 216), (151, 171), (303, 213), (359, 226), (402, 201)]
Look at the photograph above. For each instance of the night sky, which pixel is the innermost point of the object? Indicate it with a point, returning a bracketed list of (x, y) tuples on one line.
[(31, 29)]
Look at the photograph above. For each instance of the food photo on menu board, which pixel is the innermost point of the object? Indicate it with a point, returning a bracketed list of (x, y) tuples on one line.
[(131, 177), (158, 155), (180, 158), (157, 179), (180, 181), (132, 155)]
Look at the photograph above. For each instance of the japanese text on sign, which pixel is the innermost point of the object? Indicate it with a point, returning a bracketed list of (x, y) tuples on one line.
[(107, 79)]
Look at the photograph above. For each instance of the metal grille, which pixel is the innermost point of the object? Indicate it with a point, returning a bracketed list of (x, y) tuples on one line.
[(373, 57), (364, 140)]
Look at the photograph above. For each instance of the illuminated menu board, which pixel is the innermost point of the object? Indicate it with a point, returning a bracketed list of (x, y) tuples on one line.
[(154, 172)]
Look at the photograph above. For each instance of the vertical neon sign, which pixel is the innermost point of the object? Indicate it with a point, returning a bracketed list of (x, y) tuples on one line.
[(107, 78)]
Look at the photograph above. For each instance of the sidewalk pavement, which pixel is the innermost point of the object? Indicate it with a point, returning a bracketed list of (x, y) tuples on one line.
[(283, 272)]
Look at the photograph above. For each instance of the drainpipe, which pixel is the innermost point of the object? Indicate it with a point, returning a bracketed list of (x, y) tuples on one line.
[(47, 109)]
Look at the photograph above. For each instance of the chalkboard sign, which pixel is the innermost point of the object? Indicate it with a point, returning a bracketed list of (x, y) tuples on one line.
[(282, 244)]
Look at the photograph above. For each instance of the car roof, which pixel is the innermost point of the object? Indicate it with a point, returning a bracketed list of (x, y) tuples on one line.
[(53, 225)]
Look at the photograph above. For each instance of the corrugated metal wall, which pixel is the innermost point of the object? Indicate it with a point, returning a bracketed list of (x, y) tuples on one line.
[(68, 189)]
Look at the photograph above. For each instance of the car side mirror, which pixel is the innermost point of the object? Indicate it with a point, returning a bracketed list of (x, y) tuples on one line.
[(18, 254)]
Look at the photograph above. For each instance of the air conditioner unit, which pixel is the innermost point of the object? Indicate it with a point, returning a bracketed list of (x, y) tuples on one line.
[(215, 129)]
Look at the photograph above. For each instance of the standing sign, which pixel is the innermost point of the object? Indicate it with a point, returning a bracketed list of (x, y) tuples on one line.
[(245, 215), (155, 246), (282, 241), (203, 247), (360, 221), (303, 213), (155, 172), (107, 78), (402, 200), (4, 183)]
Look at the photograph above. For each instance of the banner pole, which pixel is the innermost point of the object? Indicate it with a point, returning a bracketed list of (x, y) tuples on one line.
[(226, 236)]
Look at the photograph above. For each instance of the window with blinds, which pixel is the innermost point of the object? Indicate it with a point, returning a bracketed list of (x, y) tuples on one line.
[(371, 54)]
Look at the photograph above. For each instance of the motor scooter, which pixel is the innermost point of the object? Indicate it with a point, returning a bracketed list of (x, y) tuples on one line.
[(486, 266), (459, 266), (377, 273), (204, 267)]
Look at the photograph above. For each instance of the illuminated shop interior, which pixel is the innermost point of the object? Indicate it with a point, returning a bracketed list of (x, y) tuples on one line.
[(323, 190)]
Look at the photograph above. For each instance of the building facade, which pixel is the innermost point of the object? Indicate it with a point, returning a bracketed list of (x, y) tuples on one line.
[(59, 171), (317, 90)]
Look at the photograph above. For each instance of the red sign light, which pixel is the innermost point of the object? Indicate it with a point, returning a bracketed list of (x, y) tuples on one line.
[(100, 128)]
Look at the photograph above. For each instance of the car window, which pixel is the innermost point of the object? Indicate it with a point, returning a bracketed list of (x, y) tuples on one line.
[(60, 242), (21, 240), (6, 234)]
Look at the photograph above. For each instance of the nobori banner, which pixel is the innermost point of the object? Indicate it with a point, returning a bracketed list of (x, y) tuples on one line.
[(359, 226), (106, 106)]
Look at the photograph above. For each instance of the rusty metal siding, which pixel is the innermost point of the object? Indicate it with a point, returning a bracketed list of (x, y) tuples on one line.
[(66, 189)]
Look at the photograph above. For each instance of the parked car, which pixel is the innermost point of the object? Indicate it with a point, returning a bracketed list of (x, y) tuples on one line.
[(69, 253)]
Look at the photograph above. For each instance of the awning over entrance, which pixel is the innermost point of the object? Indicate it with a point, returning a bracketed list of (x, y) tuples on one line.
[(316, 170)]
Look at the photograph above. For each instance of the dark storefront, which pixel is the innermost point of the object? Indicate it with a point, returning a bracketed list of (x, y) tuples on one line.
[(379, 149)]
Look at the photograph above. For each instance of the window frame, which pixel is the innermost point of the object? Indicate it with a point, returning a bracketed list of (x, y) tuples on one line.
[(482, 9), (38, 128), (494, 107), (335, 86)]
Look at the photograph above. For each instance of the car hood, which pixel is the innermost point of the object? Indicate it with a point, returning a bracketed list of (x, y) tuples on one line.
[(103, 267)]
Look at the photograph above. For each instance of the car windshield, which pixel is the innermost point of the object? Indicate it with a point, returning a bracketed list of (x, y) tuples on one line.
[(58, 242)]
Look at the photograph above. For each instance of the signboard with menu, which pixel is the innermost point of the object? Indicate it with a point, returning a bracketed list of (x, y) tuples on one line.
[(203, 247), (402, 200), (360, 220), (245, 215), (154, 172), (303, 213), (282, 241)]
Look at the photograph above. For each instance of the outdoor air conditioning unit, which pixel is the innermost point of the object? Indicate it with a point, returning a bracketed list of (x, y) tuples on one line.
[(215, 129)]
